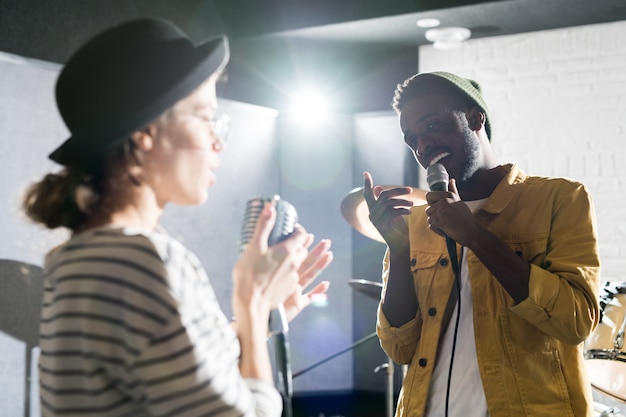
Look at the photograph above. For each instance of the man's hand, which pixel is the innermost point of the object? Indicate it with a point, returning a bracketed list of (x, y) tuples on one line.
[(449, 216), (386, 209)]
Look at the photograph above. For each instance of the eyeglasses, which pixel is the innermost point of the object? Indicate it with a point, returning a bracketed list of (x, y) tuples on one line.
[(220, 125)]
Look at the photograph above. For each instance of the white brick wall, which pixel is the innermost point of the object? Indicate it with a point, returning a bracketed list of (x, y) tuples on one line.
[(558, 107)]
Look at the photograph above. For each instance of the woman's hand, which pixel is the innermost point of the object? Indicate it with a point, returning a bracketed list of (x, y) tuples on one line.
[(316, 261), (264, 277)]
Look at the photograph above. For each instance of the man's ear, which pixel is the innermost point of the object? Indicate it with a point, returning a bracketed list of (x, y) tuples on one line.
[(475, 118)]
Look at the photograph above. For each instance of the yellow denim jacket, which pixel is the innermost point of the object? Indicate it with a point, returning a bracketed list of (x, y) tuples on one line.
[(530, 355)]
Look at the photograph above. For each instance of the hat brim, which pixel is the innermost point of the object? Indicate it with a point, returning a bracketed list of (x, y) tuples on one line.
[(209, 57)]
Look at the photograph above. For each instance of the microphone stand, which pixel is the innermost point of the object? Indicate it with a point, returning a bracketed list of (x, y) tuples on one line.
[(284, 372), (279, 327), (334, 355), (389, 366)]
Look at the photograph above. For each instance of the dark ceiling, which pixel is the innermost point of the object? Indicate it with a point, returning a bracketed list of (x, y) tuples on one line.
[(357, 49)]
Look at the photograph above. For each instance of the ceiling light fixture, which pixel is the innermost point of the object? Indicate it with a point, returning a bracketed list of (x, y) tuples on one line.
[(428, 23), (448, 37)]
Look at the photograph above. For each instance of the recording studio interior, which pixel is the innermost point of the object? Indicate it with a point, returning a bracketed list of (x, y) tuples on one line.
[(308, 90)]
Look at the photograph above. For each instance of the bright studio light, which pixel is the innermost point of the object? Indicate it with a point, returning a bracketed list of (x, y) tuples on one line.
[(428, 23), (448, 37), (310, 106)]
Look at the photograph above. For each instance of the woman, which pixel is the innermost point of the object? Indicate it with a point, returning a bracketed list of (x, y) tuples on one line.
[(130, 325)]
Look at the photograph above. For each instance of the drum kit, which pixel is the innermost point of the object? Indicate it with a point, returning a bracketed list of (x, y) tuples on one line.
[(354, 210), (605, 354), (604, 350)]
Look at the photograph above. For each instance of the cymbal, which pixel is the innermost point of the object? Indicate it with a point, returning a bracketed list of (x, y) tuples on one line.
[(369, 288), (355, 211)]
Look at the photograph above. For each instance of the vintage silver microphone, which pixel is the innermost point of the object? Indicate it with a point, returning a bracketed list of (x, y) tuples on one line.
[(286, 220)]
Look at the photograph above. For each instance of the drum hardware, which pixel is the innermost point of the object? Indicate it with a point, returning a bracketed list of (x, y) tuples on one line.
[(389, 366), (354, 209), (372, 290), (611, 355), (369, 288), (334, 355), (619, 339), (604, 350), (600, 410)]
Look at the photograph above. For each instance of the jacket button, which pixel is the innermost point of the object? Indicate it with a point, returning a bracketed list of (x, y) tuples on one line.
[(432, 311), (444, 262), (422, 362), (413, 261)]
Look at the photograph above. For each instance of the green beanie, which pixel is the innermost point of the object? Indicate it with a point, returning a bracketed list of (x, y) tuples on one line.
[(467, 87)]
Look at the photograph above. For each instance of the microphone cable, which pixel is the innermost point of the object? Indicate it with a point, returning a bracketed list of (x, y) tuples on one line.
[(437, 177), (456, 262)]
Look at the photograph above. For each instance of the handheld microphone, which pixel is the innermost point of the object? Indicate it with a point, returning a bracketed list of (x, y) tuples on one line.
[(286, 220), (437, 178)]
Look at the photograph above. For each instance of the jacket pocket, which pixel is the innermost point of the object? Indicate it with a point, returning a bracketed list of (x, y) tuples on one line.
[(425, 267), (424, 261), (530, 248)]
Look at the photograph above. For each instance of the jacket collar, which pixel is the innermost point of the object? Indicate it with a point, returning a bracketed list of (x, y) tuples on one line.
[(506, 189)]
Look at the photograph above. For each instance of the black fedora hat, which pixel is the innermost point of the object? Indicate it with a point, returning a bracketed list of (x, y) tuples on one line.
[(124, 78)]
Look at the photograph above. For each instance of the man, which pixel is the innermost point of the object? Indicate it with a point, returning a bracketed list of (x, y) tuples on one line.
[(527, 275)]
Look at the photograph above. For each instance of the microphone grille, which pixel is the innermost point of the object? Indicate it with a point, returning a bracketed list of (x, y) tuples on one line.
[(437, 174), (286, 220)]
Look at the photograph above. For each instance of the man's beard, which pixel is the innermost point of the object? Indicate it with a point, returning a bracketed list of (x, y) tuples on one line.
[(471, 148)]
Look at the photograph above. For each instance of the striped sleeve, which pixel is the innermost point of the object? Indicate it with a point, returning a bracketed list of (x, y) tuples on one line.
[(131, 326)]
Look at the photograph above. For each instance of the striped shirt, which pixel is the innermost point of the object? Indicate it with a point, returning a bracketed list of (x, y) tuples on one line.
[(130, 326)]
